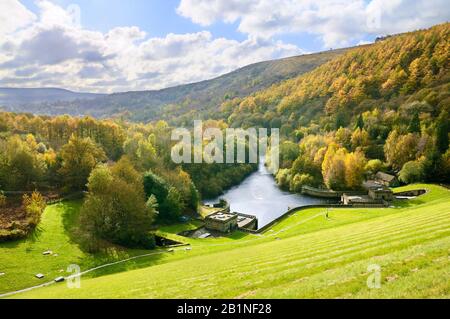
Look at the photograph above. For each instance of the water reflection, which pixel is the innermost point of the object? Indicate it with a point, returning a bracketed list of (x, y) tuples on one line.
[(259, 195)]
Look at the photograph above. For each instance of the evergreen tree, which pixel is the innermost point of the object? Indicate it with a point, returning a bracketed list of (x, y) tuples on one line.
[(442, 130), (359, 122), (414, 125), (340, 120)]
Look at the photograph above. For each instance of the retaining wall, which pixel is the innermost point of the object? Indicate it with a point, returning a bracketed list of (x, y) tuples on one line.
[(289, 213)]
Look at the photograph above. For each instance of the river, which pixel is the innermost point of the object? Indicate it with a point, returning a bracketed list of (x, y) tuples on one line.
[(259, 195)]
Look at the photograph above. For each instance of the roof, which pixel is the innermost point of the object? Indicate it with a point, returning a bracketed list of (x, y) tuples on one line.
[(381, 190), (222, 217), (385, 177)]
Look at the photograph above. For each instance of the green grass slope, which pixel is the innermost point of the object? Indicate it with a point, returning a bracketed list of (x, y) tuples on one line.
[(21, 260), (304, 256)]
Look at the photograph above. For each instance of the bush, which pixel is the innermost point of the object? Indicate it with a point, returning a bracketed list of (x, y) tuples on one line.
[(299, 181), (283, 178), (374, 166), (412, 172), (34, 206)]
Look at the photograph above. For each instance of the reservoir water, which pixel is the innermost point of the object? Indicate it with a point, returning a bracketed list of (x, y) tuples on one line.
[(259, 195)]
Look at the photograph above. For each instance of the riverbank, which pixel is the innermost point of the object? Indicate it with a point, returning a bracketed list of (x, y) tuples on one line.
[(260, 196)]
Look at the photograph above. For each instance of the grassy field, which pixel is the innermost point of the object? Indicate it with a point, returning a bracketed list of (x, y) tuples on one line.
[(303, 256), (21, 260)]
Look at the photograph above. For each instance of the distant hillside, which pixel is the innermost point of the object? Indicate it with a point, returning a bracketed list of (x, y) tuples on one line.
[(19, 96), (170, 103), (401, 69)]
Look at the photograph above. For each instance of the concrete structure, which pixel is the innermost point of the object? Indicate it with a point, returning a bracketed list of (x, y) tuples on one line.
[(381, 193), (358, 200), (378, 196), (222, 221), (326, 193), (226, 222), (322, 193), (247, 221), (410, 194)]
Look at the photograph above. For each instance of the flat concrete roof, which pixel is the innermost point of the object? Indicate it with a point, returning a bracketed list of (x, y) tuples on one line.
[(244, 221), (223, 217)]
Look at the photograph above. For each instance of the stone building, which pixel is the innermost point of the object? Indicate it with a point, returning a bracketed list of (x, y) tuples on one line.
[(379, 196), (222, 221), (386, 179), (381, 193)]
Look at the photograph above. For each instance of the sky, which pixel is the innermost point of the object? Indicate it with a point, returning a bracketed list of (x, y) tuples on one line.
[(116, 45)]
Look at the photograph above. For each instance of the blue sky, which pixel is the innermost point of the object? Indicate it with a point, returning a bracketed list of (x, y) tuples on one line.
[(118, 45), (159, 17), (156, 17)]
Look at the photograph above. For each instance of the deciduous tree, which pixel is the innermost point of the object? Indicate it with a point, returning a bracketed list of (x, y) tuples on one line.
[(79, 157)]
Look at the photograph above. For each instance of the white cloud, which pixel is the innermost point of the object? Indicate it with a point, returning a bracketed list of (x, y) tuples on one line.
[(53, 49), (337, 22), (53, 15), (13, 16), (206, 12)]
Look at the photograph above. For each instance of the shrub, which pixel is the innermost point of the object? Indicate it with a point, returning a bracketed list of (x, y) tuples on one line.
[(412, 172), (34, 206), (283, 178), (299, 181), (374, 166)]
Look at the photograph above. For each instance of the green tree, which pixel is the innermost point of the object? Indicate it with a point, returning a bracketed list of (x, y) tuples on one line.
[(414, 124), (299, 181), (172, 207), (341, 120), (412, 172), (289, 151), (442, 131), (115, 209), (374, 166), (20, 166), (155, 185), (360, 122), (170, 201), (79, 157)]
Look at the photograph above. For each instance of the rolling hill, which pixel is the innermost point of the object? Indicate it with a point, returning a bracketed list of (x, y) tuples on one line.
[(18, 97), (166, 103), (389, 75)]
